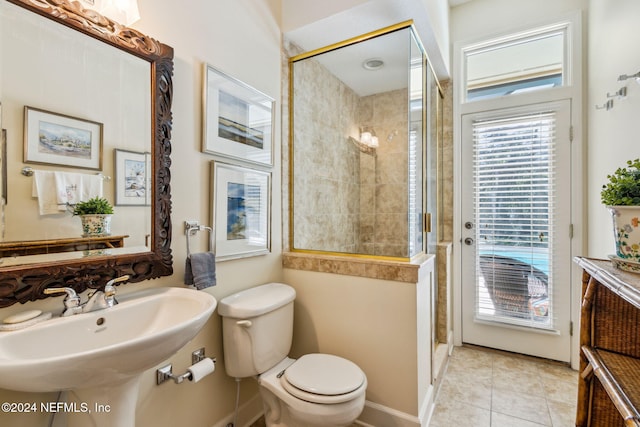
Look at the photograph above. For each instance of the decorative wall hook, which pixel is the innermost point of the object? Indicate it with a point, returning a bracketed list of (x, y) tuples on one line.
[(620, 93), (606, 106), (623, 77)]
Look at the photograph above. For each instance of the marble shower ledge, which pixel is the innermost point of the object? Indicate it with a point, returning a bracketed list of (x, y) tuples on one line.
[(362, 267)]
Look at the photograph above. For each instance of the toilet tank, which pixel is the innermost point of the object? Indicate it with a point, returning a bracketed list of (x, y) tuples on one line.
[(257, 328)]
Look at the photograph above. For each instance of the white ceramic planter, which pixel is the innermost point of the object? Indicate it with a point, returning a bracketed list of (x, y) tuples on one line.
[(96, 225), (626, 231)]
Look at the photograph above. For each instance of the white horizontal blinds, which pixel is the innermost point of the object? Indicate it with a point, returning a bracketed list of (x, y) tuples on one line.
[(513, 163)]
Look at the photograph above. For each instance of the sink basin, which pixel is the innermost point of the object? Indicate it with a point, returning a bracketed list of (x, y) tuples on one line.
[(104, 349)]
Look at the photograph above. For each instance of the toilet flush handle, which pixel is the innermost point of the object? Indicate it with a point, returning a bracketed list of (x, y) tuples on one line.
[(244, 323)]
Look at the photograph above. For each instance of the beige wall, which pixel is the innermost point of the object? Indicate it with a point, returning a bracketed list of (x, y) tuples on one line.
[(241, 38), (613, 135), (381, 325), (485, 18)]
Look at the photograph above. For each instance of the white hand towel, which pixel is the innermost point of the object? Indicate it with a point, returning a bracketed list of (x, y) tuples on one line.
[(69, 188), (44, 188), (91, 186)]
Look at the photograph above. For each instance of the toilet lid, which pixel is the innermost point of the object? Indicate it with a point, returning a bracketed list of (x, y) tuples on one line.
[(324, 374)]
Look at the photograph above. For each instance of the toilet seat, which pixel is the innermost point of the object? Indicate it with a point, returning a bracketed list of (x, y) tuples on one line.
[(323, 378)]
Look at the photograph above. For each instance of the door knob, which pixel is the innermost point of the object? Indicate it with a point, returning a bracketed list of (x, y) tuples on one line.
[(468, 241)]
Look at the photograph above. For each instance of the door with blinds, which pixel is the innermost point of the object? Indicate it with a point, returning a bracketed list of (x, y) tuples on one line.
[(516, 229)]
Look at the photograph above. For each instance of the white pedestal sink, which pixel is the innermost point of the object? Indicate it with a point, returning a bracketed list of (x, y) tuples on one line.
[(100, 355)]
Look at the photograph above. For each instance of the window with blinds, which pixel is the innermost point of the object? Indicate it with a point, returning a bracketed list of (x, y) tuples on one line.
[(513, 168)]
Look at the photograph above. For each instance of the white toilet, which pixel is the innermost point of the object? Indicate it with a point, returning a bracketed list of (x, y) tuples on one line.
[(316, 390)]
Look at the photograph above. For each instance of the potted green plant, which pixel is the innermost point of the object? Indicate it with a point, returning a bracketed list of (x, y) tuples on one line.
[(95, 215), (621, 195)]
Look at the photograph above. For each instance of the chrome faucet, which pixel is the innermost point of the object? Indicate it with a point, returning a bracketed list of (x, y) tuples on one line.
[(98, 300), (71, 300)]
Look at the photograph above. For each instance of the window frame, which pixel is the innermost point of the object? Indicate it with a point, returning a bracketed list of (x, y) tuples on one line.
[(563, 27)]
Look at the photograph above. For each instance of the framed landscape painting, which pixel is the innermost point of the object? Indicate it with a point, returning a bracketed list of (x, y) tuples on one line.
[(241, 210), (58, 139), (132, 177), (238, 119)]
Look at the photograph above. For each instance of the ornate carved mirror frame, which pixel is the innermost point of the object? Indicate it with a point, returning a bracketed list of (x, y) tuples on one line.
[(27, 282)]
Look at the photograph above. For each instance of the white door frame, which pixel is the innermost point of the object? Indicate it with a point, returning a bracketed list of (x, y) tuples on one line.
[(548, 341), (573, 91)]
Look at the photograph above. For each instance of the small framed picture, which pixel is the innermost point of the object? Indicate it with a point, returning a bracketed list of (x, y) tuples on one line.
[(58, 139), (3, 167), (133, 170), (241, 210), (238, 119)]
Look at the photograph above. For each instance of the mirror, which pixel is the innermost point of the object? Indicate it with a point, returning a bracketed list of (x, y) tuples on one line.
[(357, 146), (89, 75)]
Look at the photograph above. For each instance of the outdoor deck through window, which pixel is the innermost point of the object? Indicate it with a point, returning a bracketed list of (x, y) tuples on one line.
[(513, 175)]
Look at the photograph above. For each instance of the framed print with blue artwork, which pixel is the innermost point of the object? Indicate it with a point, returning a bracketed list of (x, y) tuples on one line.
[(241, 210)]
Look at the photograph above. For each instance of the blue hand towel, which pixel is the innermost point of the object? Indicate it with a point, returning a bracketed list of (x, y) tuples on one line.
[(200, 270)]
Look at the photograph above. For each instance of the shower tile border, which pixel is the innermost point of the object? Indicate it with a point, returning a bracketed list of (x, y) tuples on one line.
[(398, 271)]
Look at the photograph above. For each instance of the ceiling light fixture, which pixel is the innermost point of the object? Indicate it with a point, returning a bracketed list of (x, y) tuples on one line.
[(373, 64)]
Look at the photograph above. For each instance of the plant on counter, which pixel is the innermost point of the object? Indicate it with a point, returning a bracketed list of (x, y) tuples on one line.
[(621, 195), (95, 215), (96, 205), (623, 188)]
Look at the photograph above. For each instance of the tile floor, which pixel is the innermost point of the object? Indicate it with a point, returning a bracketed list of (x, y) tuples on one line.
[(489, 388), (486, 388)]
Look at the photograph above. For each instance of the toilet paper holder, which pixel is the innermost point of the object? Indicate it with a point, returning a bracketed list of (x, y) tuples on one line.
[(166, 372)]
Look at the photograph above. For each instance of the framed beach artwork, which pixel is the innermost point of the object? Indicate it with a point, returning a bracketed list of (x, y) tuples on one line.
[(3, 167), (238, 119), (58, 139), (241, 210), (133, 170)]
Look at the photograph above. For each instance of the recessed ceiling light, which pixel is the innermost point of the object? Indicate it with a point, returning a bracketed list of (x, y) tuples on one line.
[(373, 64)]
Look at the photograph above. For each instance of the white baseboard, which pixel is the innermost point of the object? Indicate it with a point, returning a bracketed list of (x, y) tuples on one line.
[(373, 415), (248, 413), (376, 415), (426, 407)]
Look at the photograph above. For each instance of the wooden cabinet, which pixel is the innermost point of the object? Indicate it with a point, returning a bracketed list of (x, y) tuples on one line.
[(609, 384), (36, 247)]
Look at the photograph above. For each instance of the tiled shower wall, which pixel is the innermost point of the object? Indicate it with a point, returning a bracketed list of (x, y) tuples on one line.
[(383, 176), (446, 165), (325, 163), (357, 201)]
